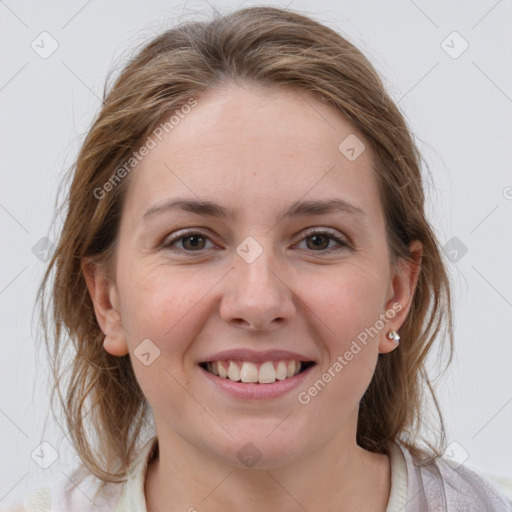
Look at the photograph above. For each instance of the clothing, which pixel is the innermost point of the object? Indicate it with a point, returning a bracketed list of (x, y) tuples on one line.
[(439, 487)]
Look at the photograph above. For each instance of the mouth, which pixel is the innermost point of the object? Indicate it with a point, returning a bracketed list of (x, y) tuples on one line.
[(266, 372)]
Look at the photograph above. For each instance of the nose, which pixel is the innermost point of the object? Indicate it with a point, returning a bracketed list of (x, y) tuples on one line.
[(257, 296)]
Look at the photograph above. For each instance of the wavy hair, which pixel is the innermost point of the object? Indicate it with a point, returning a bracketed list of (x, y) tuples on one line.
[(104, 408)]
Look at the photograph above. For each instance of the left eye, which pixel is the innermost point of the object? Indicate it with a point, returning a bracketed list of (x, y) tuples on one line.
[(193, 241), (321, 239)]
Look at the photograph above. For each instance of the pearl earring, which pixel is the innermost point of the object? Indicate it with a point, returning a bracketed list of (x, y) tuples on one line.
[(393, 335)]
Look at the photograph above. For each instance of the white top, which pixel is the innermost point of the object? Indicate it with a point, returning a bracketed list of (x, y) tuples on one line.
[(442, 486)]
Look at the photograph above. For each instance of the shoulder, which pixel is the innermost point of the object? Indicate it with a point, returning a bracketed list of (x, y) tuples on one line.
[(38, 500), (82, 491), (502, 483), (445, 484), (77, 492)]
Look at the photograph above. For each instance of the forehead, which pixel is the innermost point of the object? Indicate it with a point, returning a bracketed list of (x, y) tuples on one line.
[(252, 146)]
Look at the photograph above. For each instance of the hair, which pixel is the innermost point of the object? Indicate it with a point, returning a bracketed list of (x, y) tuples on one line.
[(267, 46)]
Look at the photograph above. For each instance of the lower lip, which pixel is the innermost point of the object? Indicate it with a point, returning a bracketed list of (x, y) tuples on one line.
[(251, 390)]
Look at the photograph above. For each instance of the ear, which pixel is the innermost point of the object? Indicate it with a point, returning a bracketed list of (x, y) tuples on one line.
[(104, 297), (402, 286)]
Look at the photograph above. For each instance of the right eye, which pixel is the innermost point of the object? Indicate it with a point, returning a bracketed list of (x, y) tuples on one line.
[(191, 241)]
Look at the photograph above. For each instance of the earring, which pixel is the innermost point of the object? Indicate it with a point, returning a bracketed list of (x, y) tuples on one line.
[(393, 335)]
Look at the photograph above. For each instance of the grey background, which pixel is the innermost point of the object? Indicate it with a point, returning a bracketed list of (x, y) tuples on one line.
[(458, 106)]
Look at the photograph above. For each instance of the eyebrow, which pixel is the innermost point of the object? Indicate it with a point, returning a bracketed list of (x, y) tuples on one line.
[(215, 210)]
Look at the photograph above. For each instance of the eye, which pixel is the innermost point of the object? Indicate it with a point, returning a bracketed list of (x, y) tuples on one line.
[(194, 241), (191, 241), (320, 240)]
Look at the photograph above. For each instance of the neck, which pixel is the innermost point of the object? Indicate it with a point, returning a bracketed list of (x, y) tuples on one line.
[(338, 476)]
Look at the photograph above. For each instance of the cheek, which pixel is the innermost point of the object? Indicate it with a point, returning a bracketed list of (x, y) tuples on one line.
[(349, 304), (160, 312), (348, 301), (169, 307), (349, 307), (158, 299)]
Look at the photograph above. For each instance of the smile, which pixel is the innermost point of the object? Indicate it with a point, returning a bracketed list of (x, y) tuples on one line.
[(264, 373)]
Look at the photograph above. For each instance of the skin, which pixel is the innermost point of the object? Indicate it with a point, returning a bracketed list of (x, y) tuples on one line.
[(255, 150)]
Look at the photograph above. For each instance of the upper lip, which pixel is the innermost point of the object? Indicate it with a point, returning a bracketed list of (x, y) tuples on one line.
[(254, 356)]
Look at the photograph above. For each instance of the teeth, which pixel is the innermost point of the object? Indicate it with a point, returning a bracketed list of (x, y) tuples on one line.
[(267, 373), (290, 369), (233, 371), (223, 371), (281, 370), (248, 372)]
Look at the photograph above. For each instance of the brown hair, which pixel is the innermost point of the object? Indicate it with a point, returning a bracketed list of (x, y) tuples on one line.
[(270, 47)]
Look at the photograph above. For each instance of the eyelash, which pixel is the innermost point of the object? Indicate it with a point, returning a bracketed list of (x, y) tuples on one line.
[(167, 244)]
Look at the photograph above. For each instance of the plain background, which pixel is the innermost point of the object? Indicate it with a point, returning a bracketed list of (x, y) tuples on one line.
[(458, 104)]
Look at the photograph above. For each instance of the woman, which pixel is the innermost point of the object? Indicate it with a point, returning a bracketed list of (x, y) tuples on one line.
[(246, 266)]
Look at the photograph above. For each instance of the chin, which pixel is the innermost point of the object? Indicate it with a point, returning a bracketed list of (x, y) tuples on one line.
[(259, 452)]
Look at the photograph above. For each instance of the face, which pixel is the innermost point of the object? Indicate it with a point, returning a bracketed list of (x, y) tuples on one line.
[(287, 262)]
